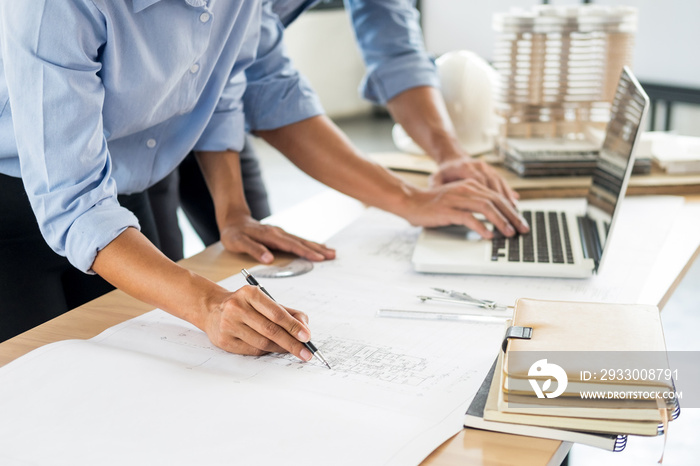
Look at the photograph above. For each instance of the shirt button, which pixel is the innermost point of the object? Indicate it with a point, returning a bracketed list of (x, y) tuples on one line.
[(151, 143), (194, 68), (204, 17)]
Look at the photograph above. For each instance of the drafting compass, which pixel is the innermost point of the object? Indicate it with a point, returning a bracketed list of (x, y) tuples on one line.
[(458, 297), (292, 269)]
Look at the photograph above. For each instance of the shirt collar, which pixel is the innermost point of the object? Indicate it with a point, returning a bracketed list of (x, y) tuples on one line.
[(139, 5)]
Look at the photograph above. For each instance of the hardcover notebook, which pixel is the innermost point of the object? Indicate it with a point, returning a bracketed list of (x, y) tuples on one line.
[(568, 353), (592, 332), (615, 426), (474, 418)]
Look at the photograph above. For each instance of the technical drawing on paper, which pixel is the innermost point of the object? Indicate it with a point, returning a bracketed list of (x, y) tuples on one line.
[(349, 357), (189, 337), (399, 247)]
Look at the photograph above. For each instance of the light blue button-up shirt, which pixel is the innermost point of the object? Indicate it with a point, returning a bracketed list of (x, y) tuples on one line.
[(100, 97), (389, 35)]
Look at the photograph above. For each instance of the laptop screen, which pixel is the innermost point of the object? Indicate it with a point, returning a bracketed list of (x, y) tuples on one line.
[(614, 164)]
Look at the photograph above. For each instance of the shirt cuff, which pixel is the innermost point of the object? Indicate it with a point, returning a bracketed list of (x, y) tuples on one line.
[(398, 75), (94, 230), (272, 105), (224, 131)]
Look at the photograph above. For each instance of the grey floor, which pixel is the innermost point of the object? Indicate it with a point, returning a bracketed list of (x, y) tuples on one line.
[(287, 186)]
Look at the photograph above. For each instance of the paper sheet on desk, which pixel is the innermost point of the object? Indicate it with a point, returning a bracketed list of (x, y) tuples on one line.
[(155, 389)]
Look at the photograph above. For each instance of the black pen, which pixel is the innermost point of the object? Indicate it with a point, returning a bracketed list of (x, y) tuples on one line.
[(310, 346)]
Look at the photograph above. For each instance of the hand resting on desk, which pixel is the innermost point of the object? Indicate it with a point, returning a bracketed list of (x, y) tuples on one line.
[(246, 235)]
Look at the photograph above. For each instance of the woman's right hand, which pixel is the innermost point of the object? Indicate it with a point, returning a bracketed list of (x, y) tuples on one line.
[(244, 234), (249, 322)]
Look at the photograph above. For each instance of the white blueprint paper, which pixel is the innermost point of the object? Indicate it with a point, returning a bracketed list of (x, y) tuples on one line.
[(154, 390)]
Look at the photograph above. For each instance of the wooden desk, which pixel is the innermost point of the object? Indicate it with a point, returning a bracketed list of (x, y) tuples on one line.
[(470, 446)]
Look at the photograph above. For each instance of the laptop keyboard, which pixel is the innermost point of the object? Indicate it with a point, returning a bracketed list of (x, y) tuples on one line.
[(548, 240)]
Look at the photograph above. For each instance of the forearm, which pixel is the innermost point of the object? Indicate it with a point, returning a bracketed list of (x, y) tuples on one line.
[(222, 173), (134, 265), (321, 150), (244, 321), (422, 113), (239, 232)]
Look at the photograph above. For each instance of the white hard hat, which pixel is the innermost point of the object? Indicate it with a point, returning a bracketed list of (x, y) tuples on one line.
[(468, 84)]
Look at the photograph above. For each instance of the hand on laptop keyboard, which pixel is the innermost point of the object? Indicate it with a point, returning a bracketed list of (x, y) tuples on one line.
[(467, 168), (456, 203)]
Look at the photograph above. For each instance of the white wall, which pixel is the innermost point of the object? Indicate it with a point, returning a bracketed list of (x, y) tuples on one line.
[(665, 45), (323, 48), (459, 24), (666, 41)]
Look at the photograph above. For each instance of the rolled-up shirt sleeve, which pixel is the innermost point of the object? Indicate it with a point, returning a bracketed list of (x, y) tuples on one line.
[(56, 95), (390, 39), (276, 94)]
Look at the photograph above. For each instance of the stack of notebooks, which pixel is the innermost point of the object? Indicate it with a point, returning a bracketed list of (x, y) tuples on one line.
[(537, 387), (557, 157), (672, 153)]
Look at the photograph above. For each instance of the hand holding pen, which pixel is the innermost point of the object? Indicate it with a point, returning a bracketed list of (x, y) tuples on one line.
[(310, 349), (246, 321)]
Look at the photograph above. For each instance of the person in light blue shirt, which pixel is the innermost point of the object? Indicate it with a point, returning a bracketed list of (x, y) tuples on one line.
[(100, 100), (400, 75)]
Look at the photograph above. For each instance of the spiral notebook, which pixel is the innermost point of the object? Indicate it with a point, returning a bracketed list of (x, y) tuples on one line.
[(474, 419)]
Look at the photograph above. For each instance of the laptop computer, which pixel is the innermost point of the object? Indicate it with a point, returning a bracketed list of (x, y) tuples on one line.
[(561, 243)]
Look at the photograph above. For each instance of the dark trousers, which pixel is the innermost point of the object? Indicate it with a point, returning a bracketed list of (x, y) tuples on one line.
[(185, 187), (36, 284)]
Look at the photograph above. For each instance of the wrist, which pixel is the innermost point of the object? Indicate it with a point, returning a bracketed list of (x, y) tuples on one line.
[(205, 297), (233, 215), (445, 148), (406, 202)]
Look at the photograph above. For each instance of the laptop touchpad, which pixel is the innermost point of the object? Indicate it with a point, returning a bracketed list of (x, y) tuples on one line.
[(458, 231)]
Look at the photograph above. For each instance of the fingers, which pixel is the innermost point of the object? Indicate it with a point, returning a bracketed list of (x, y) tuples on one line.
[(514, 217), (476, 170), (250, 343), (298, 315), (270, 327), (497, 210), (457, 202), (467, 219), (279, 239), (498, 184), (254, 249), (254, 238)]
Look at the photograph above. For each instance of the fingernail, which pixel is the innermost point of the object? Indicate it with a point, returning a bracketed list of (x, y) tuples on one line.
[(524, 222), (303, 335), (306, 355), (267, 258), (509, 230)]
